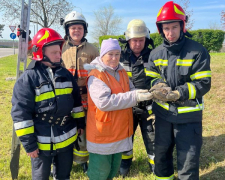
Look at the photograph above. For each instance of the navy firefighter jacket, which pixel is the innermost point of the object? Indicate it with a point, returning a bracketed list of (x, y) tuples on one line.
[(184, 66), (47, 109)]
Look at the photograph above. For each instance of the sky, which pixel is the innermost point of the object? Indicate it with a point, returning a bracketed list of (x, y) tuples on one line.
[(205, 13)]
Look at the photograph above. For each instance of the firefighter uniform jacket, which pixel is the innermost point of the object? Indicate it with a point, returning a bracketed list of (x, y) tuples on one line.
[(46, 110), (136, 70), (184, 66), (74, 57), (135, 67)]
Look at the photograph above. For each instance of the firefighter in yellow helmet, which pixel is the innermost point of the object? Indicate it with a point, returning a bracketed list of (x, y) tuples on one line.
[(179, 74), (76, 52), (134, 59)]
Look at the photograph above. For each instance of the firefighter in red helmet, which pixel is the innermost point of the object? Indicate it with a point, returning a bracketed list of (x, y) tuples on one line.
[(179, 75), (46, 127)]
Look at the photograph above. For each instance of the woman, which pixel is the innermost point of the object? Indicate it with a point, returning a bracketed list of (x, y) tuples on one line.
[(109, 120)]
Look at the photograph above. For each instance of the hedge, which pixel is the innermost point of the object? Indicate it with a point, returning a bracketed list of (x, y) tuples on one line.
[(101, 38), (212, 40)]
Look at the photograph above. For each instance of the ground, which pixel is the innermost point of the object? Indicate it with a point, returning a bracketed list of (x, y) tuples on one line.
[(212, 161)]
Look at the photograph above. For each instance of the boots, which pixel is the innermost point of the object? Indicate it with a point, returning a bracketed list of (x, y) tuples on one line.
[(84, 167), (125, 167), (152, 167)]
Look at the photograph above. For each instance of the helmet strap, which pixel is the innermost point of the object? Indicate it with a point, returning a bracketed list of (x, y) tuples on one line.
[(56, 64)]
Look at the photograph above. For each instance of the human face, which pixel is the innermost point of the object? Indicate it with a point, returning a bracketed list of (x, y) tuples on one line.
[(53, 53), (76, 32), (137, 45), (171, 31), (111, 58)]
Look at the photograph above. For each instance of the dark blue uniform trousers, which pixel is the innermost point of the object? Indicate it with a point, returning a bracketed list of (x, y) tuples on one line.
[(188, 140), (62, 165), (140, 118)]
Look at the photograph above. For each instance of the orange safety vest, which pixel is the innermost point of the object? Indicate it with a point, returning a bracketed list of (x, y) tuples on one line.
[(109, 126)]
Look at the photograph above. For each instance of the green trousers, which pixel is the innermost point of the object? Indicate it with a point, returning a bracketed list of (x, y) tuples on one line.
[(103, 167)]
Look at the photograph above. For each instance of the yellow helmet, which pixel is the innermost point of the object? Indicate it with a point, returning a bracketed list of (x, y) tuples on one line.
[(137, 28)]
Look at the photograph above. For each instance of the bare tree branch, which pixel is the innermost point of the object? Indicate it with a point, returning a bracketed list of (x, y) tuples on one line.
[(223, 19), (43, 12), (1, 29), (106, 23), (185, 5), (214, 25)]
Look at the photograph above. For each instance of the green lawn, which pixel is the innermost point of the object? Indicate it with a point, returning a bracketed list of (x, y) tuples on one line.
[(212, 165)]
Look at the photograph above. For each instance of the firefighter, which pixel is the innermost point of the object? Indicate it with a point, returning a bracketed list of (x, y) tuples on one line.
[(76, 52), (134, 59), (47, 110), (179, 74)]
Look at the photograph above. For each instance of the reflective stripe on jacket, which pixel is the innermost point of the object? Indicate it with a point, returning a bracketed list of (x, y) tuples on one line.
[(35, 95), (184, 66)]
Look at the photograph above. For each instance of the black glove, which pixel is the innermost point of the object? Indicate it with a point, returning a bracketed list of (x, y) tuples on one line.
[(22, 32), (77, 147), (81, 123)]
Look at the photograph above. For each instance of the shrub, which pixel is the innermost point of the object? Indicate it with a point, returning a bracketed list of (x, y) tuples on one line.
[(212, 40)]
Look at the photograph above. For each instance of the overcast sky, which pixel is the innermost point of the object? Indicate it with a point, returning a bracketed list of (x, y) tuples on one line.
[(205, 12)]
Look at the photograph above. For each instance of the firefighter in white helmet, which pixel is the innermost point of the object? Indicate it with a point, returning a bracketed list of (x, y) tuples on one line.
[(76, 52), (134, 58)]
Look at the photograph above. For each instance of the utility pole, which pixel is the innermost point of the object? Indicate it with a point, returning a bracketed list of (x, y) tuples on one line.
[(22, 58)]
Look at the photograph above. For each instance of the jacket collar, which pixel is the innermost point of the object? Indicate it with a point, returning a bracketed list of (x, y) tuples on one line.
[(175, 47), (58, 71), (70, 43), (99, 65)]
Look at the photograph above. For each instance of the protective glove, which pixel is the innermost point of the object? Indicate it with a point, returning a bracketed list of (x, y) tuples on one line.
[(161, 93), (143, 95), (80, 123), (151, 117), (173, 95), (158, 86), (23, 33)]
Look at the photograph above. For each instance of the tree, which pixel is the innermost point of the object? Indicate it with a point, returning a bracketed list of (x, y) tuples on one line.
[(1, 29), (223, 19), (43, 12), (185, 5), (106, 23), (214, 25)]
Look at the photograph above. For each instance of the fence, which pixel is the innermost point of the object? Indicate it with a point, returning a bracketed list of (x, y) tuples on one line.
[(8, 43)]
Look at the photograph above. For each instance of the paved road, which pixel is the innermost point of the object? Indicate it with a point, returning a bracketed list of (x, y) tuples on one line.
[(7, 51)]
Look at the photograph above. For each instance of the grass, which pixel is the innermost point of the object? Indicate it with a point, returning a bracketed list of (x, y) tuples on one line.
[(212, 161)]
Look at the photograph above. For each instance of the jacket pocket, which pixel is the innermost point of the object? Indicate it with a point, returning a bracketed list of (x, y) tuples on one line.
[(44, 97), (183, 74), (65, 104), (183, 70), (103, 124)]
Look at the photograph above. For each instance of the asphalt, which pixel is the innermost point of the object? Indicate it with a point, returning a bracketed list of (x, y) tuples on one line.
[(7, 52)]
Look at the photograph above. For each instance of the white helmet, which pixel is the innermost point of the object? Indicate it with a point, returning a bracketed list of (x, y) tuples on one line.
[(75, 18), (135, 29)]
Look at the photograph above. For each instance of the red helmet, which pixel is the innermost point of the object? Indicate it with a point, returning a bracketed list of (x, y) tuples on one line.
[(44, 37), (170, 12)]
